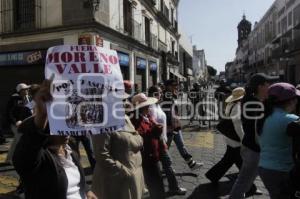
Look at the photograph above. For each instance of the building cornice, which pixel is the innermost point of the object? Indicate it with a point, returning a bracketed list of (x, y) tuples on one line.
[(95, 26)]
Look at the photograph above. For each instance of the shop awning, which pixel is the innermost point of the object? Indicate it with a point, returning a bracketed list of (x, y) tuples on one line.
[(177, 74)]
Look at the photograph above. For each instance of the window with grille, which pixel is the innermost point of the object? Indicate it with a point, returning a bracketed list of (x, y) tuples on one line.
[(24, 14), (127, 12)]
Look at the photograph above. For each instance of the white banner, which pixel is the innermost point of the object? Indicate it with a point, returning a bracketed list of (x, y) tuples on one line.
[(87, 90)]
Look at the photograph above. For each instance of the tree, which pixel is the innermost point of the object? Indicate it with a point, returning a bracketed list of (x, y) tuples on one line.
[(211, 71)]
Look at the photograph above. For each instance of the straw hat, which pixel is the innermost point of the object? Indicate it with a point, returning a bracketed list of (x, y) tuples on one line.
[(237, 94), (125, 96), (141, 100)]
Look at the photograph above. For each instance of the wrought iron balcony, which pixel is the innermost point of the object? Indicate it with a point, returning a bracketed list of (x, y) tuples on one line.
[(164, 15)]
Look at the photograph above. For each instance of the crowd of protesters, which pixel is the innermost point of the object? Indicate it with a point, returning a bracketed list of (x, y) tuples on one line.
[(125, 163), (260, 125), (261, 131)]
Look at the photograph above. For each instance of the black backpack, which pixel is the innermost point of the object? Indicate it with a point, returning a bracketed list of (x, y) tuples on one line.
[(226, 128)]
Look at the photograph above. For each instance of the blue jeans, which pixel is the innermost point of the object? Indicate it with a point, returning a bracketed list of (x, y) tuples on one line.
[(178, 139), (166, 162)]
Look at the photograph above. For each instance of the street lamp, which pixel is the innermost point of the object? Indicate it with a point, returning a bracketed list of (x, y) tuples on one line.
[(92, 4)]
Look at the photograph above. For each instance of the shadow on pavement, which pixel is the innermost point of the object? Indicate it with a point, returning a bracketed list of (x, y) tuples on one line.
[(210, 191), (182, 175)]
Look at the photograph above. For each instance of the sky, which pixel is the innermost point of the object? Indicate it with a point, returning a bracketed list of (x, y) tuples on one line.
[(212, 25)]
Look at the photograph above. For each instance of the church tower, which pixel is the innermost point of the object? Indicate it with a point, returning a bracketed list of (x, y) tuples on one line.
[(244, 29)]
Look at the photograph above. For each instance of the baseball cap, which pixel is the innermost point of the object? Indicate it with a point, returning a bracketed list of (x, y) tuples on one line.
[(283, 91), (261, 78), (22, 86)]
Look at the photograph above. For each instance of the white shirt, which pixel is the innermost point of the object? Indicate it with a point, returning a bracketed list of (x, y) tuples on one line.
[(73, 175), (160, 117), (237, 123)]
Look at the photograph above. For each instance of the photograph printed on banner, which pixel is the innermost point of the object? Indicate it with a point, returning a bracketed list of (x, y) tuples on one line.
[(86, 90)]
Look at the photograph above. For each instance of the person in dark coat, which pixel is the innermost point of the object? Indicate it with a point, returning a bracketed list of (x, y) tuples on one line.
[(196, 95), (233, 140), (253, 110), (18, 109), (46, 164)]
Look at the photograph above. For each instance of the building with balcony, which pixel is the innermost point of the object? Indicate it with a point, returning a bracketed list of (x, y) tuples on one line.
[(186, 59), (143, 32), (273, 46)]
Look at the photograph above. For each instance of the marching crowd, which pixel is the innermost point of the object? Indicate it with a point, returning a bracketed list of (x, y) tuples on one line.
[(125, 163), (260, 125)]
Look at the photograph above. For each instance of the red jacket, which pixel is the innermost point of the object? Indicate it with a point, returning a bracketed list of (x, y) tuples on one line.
[(151, 135)]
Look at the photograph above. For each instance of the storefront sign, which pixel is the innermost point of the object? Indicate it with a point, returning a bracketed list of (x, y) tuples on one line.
[(141, 63), (22, 58), (123, 59), (153, 66), (87, 90)]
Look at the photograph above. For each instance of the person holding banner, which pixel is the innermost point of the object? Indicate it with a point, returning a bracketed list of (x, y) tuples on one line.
[(118, 172), (46, 164), (151, 133)]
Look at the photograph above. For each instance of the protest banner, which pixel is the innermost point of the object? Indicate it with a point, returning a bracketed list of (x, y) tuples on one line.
[(86, 90)]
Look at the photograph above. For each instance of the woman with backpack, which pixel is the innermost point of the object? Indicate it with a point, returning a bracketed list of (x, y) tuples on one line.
[(233, 135)]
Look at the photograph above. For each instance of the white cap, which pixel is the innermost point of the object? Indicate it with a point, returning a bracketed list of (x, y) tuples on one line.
[(22, 86)]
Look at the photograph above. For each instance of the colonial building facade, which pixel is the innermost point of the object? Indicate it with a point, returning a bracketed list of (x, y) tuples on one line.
[(186, 59), (273, 46), (143, 32)]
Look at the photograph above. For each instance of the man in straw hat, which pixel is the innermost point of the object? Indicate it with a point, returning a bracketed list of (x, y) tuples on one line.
[(233, 137)]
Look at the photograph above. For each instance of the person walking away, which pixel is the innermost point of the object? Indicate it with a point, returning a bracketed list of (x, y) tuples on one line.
[(118, 172), (45, 163), (233, 139), (196, 96), (221, 93), (160, 117), (18, 110), (256, 94), (174, 128), (151, 133), (276, 146)]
